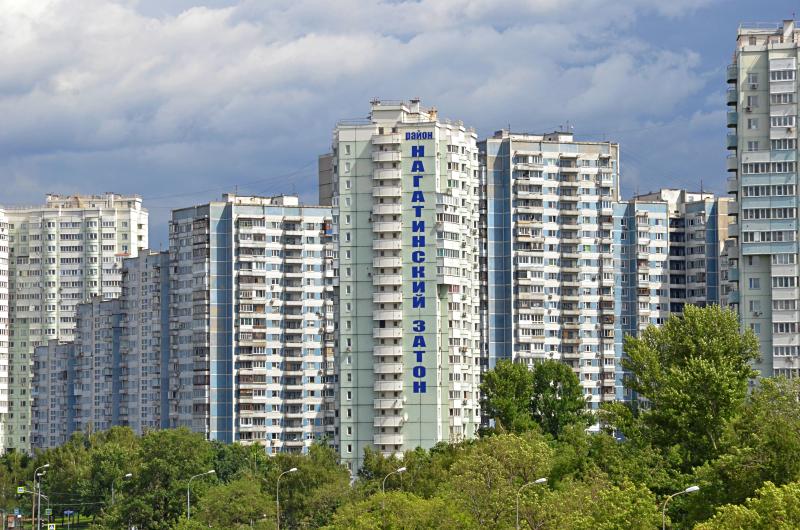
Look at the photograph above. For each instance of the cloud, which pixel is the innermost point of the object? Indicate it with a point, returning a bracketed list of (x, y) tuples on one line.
[(162, 97)]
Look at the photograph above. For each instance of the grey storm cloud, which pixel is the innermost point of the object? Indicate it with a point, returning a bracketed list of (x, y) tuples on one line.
[(179, 102)]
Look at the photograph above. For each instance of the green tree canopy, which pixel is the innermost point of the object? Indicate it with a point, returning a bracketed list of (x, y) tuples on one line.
[(694, 373), (775, 508), (557, 399), (507, 391)]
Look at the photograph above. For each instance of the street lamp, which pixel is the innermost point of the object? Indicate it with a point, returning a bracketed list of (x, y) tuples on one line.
[(188, 498), (126, 476), (690, 489), (398, 471), (278, 498), (537, 481), (36, 474)]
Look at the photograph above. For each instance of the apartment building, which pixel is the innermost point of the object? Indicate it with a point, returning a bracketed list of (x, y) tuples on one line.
[(762, 262), (698, 227), (4, 325), (251, 322), (144, 347), (405, 188), (550, 265), (60, 254), (112, 373)]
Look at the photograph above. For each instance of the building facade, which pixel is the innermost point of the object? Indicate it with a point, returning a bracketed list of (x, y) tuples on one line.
[(762, 260), (60, 254), (53, 394), (550, 264), (251, 322), (698, 228), (4, 324), (144, 347), (405, 188)]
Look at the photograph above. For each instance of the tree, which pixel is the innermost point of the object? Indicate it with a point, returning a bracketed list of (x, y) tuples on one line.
[(485, 480), (761, 444), (400, 510), (557, 397), (507, 391), (694, 373), (775, 508), (236, 506)]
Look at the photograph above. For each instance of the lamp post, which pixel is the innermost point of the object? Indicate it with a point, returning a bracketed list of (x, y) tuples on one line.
[(39, 501), (35, 474), (126, 476), (398, 471), (537, 481), (690, 489), (188, 495), (278, 497)]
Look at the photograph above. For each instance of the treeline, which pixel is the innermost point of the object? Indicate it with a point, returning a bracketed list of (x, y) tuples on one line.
[(705, 424)]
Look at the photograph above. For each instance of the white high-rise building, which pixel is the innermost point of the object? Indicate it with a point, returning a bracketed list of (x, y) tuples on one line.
[(762, 263), (252, 322), (60, 254), (550, 265), (4, 325), (406, 198)]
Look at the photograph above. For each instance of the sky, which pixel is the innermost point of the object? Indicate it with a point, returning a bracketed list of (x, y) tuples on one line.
[(180, 101)]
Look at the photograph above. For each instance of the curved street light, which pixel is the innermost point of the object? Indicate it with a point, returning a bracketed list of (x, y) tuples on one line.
[(126, 476), (542, 480), (398, 471), (188, 498), (690, 489), (278, 498)]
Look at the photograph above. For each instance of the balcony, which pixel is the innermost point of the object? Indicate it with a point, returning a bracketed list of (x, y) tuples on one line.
[(384, 139), (387, 174), (387, 279), (387, 244), (394, 226), (733, 118), (732, 142), (388, 421), (380, 314), (388, 368), (387, 262), (732, 96), (733, 185), (387, 298), (387, 351), (387, 209), (732, 72), (387, 404), (387, 333), (387, 191), (388, 386), (386, 156), (732, 162), (388, 439)]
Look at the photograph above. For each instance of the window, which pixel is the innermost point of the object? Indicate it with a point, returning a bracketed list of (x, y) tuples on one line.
[(777, 99), (752, 101), (752, 145), (781, 121), (755, 283), (781, 75), (752, 78), (752, 123)]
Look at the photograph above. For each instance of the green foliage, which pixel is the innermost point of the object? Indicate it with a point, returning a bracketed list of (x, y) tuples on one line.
[(400, 510), (557, 399), (507, 391), (775, 508), (236, 505), (694, 372)]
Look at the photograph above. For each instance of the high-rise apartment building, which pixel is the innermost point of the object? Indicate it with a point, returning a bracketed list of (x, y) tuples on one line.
[(4, 325), (762, 263), (60, 254), (115, 372), (405, 188), (550, 265), (144, 347), (698, 227), (251, 318)]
